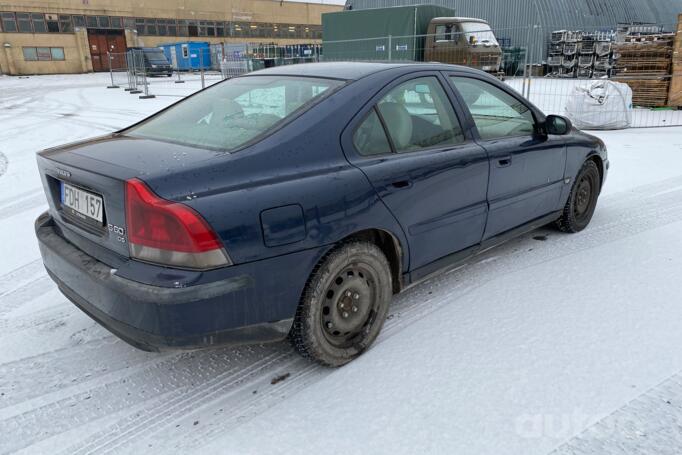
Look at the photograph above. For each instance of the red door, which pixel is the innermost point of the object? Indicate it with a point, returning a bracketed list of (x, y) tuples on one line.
[(103, 41)]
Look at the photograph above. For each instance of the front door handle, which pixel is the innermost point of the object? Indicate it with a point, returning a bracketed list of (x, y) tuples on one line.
[(504, 161)]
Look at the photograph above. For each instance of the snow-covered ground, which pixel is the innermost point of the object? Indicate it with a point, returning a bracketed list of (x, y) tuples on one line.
[(552, 342)]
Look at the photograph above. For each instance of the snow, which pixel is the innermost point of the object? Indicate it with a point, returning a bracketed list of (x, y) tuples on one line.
[(549, 342)]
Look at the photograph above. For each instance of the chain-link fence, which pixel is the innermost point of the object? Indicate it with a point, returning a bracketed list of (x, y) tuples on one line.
[(600, 78)]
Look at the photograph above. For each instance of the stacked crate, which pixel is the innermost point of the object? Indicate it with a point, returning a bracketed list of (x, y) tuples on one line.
[(644, 63), (675, 93), (578, 54)]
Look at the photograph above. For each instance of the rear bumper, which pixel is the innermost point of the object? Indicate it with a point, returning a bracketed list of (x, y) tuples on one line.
[(233, 310)]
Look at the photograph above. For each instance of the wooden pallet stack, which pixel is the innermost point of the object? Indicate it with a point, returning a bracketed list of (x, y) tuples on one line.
[(644, 63), (675, 93)]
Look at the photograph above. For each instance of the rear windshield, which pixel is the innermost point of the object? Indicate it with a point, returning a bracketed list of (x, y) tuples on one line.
[(232, 113)]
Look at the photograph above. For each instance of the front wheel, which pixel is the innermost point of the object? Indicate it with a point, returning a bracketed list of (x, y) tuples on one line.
[(582, 201), (344, 305)]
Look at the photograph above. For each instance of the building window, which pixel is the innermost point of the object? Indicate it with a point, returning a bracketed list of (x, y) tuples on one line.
[(32, 54), (44, 53), (39, 25), (52, 23), (150, 27), (8, 22), (79, 21), (103, 21), (193, 29), (182, 28), (91, 21), (24, 22), (57, 53), (65, 24), (115, 22), (129, 23)]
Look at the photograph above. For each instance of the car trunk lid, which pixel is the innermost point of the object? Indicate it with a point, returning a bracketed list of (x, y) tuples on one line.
[(95, 172)]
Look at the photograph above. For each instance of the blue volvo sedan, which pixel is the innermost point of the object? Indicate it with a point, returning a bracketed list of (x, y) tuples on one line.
[(295, 201)]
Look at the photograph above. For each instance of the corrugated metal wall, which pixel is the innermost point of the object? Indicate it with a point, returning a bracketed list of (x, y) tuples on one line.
[(510, 18)]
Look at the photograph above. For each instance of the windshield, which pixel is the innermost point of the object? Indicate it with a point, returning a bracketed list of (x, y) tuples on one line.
[(155, 56), (232, 113), (478, 33)]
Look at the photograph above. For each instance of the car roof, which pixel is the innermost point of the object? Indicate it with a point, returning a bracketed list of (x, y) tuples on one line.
[(352, 70)]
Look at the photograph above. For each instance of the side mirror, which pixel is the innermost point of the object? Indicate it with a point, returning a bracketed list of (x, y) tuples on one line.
[(557, 125)]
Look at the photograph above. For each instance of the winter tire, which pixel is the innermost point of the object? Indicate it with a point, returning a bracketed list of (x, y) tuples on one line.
[(344, 304), (582, 201)]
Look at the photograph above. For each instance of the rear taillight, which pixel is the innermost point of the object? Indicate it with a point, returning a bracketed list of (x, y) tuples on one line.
[(169, 233)]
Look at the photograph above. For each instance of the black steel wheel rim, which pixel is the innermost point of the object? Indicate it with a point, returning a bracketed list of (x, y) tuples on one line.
[(349, 306), (583, 197)]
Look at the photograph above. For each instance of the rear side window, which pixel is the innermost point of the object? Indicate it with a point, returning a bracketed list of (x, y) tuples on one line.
[(232, 113), (418, 115), (370, 137), (496, 113)]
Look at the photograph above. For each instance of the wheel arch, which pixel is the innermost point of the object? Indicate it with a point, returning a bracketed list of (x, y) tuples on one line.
[(389, 245), (600, 167)]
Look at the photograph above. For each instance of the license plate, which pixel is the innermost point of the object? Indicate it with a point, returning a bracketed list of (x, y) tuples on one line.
[(82, 204)]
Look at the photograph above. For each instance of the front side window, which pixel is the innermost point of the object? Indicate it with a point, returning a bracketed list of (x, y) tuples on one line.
[(232, 113), (496, 113), (444, 33), (418, 115)]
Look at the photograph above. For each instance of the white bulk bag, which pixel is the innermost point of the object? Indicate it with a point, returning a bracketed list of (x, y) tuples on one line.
[(602, 105)]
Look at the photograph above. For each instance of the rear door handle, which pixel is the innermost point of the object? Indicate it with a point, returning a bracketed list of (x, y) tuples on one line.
[(505, 161)]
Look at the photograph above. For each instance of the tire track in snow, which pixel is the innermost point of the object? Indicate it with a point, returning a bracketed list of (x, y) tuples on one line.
[(53, 316), (620, 216), (31, 377), (245, 407), (25, 294), (5, 202), (20, 276), (180, 405), (185, 377), (4, 162), (23, 206)]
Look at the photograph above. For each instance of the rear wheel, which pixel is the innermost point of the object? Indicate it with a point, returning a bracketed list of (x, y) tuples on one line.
[(582, 201), (344, 305)]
